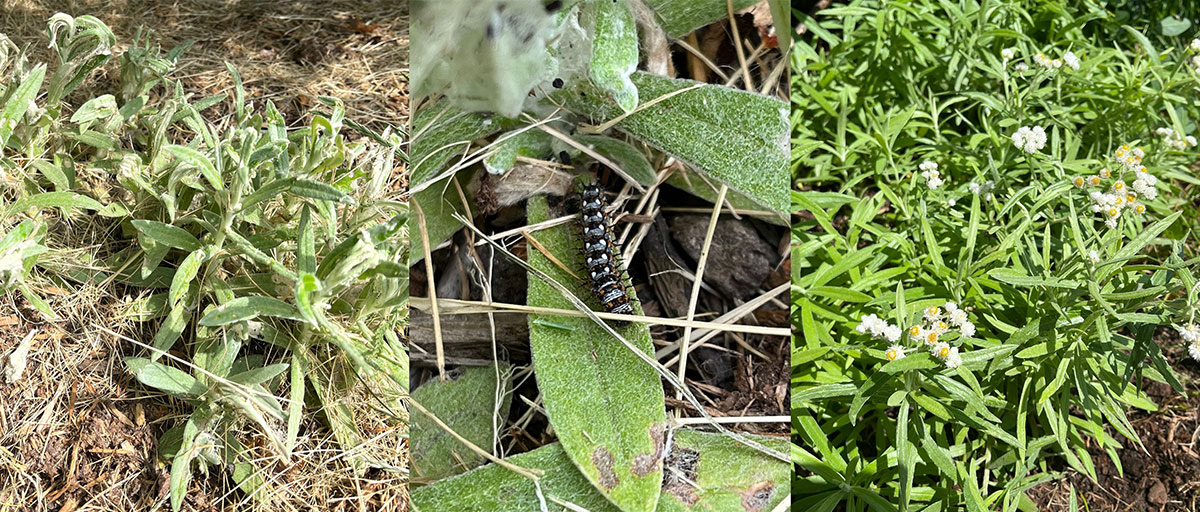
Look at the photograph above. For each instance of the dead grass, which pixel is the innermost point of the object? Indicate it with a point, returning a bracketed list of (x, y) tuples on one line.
[(290, 52), (77, 432)]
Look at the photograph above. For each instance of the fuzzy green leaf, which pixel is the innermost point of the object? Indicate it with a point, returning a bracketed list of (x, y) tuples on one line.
[(738, 138), (678, 19), (614, 49), (581, 372), (16, 104), (467, 404), (165, 378), (199, 161), (246, 308), (167, 234), (726, 476)]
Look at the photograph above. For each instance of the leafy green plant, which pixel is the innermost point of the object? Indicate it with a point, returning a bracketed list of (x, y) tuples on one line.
[(974, 284), (558, 83), (237, 230)]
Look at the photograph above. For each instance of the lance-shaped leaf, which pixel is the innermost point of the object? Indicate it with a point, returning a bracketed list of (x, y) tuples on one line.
[(467, 404), (605, 403), (184, 275), (246, 308), (16, 104), (167, 234), (734, 137), (632, 161), (199, 161), (614, 49), (727, 476), (680, 18), (165, 378)]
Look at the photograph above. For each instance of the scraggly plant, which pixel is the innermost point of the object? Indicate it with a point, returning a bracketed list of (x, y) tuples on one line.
[(559, 82), (236, 230), (992, 225)]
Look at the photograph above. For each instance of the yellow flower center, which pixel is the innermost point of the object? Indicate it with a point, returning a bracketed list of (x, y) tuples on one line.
[(1140, 209), (945, 351), (1079, 181), (915, 331), (1112, 212), (932, 338)]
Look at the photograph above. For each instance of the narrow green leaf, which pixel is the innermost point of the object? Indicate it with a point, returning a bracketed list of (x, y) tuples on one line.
[(246, 308), (170, 235), (199, 161), (467, 404)]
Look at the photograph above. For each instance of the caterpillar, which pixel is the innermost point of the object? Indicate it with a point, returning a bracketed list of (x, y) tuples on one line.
[(602, 265)]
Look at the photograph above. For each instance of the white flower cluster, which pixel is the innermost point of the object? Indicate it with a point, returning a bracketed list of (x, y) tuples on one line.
[(1195, 47), (1008, 53), (1029, 140), (930, 173), (984, 188), (939, 323), (1069, 58), (878, 328), (1191, 334), (1121, 197), (1175, 139)]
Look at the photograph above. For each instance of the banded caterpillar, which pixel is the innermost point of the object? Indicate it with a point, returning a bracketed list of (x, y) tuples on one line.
[(603, 266)]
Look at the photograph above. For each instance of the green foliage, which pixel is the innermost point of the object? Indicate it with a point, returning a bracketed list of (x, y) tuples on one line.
[(1064, 307), (712, 469), (242, 229), (468, 405)]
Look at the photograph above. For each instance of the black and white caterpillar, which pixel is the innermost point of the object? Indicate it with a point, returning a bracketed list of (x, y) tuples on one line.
[(603, 266)]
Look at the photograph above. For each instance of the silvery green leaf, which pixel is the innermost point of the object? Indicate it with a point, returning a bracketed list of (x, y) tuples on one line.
[(64, 200), (100, 107), (181, 465), (530, 143), (19, 101), (306, 286), (167, 234), (247, 308), (317, 190), (152, 253), (679, 19), (306, 255), (94, 139), (632, 161), (54, 174), (259, 375), (199, 161), (185, 274), (614, 49), (168, 379), (169, 332)]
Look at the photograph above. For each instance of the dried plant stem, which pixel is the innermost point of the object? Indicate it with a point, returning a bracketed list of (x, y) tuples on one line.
[(704, 251)]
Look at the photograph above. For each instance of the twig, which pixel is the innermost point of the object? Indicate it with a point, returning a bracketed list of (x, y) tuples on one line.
[(704, 251)]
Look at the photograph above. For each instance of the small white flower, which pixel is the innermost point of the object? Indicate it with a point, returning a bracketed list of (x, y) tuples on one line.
[(1191, 141), (1071, 60), (973, 187), (1195, 46), (1190, 333), (968, 329), (959, 318), (953, 359), (1022, 67), (940, 349), (916, 332), (1008, 53), (951, 202), (894, 352), (933, 313), (892, 333), (950, 307), (1093, 257), (1194, 351), (1029, 140)]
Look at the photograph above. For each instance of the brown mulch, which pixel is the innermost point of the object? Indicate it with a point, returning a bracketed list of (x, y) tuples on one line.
[(1162, 476)]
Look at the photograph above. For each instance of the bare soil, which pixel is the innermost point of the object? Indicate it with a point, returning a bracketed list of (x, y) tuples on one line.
[(1161, 475)]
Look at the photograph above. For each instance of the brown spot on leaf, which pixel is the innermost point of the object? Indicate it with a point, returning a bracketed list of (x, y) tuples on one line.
[(647, 463), (603, 459), (757, 496), (681, 473)]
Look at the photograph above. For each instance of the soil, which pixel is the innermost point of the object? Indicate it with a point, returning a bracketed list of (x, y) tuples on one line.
[(1165, 475)]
